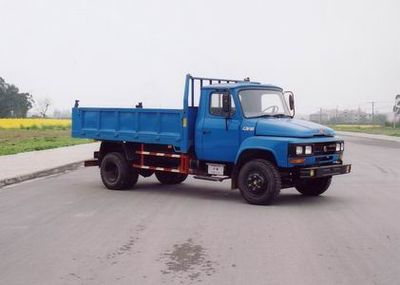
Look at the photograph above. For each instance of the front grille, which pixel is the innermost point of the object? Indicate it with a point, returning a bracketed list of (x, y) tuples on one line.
[(324, 148)]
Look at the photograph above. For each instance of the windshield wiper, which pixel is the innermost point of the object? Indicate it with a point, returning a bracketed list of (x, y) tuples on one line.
[(272, 116), (280, 116), (262, 116)]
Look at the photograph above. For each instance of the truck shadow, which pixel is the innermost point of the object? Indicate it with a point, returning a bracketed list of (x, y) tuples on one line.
[(190, 191), (291, 197), (221, 193)]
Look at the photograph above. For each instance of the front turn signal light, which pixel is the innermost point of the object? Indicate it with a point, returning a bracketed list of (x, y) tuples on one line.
[(297, 160)]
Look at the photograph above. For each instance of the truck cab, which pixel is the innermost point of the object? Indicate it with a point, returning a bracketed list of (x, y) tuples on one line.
[(228, 129), (251, 112)]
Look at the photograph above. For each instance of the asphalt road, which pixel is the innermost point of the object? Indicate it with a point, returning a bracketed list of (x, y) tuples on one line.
[(68, 229)]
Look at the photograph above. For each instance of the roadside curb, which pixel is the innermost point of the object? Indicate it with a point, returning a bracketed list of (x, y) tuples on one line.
[(42, 173)]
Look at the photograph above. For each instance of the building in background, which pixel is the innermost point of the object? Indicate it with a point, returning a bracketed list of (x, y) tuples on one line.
[(347, 116)]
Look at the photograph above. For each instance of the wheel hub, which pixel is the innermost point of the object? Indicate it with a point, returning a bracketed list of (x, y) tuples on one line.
[(256, 183), (111, 172)]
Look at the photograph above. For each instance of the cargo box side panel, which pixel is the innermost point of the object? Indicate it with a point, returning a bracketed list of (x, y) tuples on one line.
[(160, 126)]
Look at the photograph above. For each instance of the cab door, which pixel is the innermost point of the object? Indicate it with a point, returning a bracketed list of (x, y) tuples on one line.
[(218, 135)]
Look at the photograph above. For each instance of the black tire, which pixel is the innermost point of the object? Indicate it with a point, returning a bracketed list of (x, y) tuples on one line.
[(116, 173), (170, 177), (259, 182), (314, 186)]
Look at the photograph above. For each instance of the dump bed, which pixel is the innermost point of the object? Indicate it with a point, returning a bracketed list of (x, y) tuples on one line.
[(157, 126)]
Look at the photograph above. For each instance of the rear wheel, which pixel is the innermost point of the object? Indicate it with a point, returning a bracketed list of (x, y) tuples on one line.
[(116, 173), (259, 182), (313, 187), (170, 177)]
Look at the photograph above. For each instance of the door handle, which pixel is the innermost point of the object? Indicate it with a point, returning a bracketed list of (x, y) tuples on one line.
[(206, 132)]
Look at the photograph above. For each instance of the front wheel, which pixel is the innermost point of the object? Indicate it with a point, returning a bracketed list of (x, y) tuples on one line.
[(259, 182), (313, 186), (170, 177)]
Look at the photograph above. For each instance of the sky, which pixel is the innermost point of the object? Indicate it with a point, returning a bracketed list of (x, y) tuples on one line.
[(331, 54)]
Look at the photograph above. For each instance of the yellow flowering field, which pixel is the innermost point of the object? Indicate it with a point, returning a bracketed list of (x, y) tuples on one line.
[(34, 123)]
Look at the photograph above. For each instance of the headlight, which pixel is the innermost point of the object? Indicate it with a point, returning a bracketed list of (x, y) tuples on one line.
[(338, 147), (299, 150), (308, 149), (342, 146)]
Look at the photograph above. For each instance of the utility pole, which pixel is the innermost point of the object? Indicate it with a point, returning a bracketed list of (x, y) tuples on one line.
[(372, 110)]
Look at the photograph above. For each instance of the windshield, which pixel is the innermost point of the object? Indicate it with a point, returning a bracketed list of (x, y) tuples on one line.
[(263, 103)]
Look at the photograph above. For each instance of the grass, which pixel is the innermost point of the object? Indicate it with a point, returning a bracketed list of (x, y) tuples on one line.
[(368, 129), (14, 141), (30, 134)]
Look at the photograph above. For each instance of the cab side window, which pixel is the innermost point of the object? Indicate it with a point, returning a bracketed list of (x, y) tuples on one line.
[(216, 104)]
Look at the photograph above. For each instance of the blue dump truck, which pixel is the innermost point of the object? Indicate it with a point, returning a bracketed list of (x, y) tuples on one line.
[(228, 129)]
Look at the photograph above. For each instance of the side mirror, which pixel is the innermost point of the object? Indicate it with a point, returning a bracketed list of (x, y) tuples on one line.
[(291, 101), (226, 104)]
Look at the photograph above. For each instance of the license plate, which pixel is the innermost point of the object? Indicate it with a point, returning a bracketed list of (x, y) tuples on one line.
[(215, 169)]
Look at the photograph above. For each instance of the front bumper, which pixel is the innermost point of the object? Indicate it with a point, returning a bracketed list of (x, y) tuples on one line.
[(324, 171)]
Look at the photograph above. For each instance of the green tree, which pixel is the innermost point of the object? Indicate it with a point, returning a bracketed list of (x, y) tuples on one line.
[(12, 102)]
